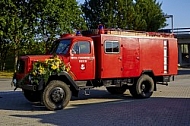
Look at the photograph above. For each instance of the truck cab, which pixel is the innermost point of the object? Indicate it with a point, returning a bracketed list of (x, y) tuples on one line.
[(78, 51)]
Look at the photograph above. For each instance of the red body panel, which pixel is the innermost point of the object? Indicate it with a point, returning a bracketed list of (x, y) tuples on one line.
[(173, 57), (152, 55), (135, 55)]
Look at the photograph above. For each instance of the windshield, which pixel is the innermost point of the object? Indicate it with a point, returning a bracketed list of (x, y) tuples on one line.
[(61, 47)]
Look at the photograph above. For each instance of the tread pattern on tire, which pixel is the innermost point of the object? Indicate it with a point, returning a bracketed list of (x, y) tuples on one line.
[(136, 91), (46, 95)]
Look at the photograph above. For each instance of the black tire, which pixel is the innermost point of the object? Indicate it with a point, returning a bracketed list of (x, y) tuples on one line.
[(32, 96), (116, 90), (143, 88), (56, 95)]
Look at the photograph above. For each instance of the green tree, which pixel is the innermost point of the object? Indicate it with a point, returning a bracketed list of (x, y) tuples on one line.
[(149, 15), (24, 23), (12, 24), (52, 18), (126, 14), (111, 13)]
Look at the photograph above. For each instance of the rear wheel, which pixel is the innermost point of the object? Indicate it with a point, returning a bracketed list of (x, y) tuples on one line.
[(116, 90), (56, 95), (143, 88), (32, 96)]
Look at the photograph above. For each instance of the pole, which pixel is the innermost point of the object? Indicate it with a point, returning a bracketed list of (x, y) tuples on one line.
[(172, 22)]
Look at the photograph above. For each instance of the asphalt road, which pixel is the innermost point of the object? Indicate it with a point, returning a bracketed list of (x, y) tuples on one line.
[(169, 106)]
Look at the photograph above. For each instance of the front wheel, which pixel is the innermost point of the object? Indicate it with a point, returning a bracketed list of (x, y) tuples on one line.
[(56, 95), (143, 88)]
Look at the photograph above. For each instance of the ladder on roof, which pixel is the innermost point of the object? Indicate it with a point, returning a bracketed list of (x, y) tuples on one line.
[(130, 33), (138, 33)]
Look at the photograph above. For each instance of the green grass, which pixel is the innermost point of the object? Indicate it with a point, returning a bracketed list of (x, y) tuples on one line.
[(6, 74)]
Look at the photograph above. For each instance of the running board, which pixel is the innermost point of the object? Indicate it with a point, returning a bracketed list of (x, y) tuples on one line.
[(86, 89)]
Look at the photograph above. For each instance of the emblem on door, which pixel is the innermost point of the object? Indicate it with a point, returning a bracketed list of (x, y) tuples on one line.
[(82, 66)]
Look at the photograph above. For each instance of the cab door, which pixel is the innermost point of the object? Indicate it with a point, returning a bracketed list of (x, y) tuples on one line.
[(82, 60)]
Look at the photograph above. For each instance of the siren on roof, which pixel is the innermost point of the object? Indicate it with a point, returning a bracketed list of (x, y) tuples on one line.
[(100, 29), (78, 33)]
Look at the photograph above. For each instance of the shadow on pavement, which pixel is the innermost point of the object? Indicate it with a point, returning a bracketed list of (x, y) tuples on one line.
[(153, 111), (125, 110), (15, 100), (183, 71)]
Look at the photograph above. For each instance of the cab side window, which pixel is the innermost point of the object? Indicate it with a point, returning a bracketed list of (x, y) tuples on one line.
[(81, 47)]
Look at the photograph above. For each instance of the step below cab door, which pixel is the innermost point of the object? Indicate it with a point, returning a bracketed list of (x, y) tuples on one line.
[(82, 60)]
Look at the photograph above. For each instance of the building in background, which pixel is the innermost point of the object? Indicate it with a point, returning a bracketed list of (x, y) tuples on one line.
[(183, 36)]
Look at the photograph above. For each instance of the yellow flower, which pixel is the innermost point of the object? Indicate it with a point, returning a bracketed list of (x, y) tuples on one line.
[(40, 67), (56, 59), (57, 64), (46, 61), (67, 69), (53, 67), (34, 73), (49, 61), (41, 70)]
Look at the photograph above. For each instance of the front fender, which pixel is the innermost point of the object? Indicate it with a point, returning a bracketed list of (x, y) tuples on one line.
[(70, 79)]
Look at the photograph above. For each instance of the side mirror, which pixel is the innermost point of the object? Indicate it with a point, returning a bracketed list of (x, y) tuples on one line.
[(73, 51)]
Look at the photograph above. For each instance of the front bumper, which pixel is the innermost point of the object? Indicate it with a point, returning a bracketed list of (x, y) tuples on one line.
[(16, 84)]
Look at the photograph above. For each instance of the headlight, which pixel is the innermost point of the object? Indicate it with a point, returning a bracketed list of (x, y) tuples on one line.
[(13, 83), (29, 78)]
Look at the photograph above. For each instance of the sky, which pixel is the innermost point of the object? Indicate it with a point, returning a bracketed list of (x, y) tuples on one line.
[(178, 8)]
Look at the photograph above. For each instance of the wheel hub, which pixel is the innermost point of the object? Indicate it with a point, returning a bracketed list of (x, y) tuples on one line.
[(57, 94), (143, 86)]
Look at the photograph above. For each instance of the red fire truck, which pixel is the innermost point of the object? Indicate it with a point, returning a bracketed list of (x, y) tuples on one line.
[(116, 59)]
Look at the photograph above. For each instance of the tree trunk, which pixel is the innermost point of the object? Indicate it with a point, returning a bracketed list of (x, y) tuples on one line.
[(16, 59)]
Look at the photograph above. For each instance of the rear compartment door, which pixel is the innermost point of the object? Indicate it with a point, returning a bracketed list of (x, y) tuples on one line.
[(112, 59), (131, 57)]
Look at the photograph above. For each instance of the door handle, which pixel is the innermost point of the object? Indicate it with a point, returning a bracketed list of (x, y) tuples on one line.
[(91, 59), (120, 58)]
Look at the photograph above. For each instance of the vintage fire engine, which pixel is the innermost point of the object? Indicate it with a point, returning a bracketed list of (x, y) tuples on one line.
[(116, 59)]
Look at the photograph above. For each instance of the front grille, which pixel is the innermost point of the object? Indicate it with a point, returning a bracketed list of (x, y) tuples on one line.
[(20, 66)]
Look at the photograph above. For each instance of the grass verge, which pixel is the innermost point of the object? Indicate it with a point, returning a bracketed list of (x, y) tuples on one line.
[(6, 74)]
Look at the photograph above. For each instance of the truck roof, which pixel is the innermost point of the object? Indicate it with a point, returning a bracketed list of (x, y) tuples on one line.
[(132, 33), (87, 34), (73, 36)]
